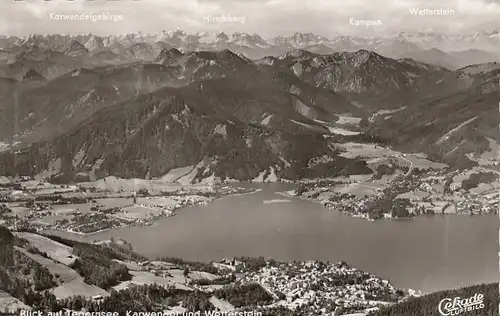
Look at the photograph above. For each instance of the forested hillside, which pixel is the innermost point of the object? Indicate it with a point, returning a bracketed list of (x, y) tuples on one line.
[(428, 305)]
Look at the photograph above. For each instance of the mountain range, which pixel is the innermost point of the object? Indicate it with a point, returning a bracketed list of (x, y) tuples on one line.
[(136, 106), (451, 51)]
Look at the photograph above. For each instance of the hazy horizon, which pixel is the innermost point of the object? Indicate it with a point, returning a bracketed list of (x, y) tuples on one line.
[(265, 17)]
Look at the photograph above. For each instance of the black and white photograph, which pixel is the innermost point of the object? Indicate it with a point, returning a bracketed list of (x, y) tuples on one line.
[(249, 157)]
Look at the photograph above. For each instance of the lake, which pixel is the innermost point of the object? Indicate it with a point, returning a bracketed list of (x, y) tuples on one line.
[(426, 253)]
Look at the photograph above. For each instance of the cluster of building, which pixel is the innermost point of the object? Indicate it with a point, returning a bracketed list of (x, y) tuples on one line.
[(321, 286), (427, 193), (38, 210)]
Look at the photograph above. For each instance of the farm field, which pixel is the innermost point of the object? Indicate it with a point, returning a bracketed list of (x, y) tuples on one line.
[(78, 287), (378, 153), (56, 251), (148, 278), (11, 304), (65, 273)]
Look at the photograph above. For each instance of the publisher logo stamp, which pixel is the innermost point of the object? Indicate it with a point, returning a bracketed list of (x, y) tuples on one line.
[(457, 305)]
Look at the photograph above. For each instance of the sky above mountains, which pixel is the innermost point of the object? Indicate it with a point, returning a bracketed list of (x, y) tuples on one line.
[(266, 17)]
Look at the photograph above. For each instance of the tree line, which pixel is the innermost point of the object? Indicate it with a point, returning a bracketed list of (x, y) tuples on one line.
[(427, 305)]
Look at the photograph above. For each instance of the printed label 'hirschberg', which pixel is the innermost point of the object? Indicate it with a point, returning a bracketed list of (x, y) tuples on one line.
[(456, 306)]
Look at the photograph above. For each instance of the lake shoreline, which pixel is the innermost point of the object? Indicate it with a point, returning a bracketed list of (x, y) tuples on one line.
[(302, 230), (366, 217), (173, 212)]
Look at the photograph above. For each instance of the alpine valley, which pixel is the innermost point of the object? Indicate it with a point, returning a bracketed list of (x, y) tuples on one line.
[(82, 108), (103, 132)]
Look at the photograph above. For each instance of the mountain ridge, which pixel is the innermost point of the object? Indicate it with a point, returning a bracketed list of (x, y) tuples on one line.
[(456, 48), (297, 95)]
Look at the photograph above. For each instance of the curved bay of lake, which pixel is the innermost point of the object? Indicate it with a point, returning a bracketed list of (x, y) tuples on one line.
[(426, 253)]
